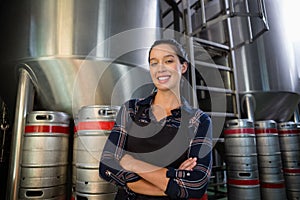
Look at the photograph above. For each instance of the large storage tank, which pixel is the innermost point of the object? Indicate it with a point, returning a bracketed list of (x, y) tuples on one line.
[(78, 52), (266, 63), (268, 69)]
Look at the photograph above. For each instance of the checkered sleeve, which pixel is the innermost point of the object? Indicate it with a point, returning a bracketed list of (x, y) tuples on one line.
[(109, 167), (193, 184)]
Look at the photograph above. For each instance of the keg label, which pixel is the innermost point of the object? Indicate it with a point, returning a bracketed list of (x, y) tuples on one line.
[(243, 182), (239, 131), (291, 170), (273, 185), (47, 129), (291, 131), (269, 130), (95, 125)]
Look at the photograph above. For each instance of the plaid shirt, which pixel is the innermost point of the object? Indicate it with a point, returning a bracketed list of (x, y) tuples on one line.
[(183, 184)]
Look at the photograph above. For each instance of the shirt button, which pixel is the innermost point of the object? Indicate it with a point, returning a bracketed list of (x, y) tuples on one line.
[(188, 174)]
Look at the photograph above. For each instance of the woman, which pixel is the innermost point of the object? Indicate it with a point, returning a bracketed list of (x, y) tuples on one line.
[(160, 147)]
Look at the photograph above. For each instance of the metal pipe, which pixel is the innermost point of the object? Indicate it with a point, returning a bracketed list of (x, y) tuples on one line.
[(297, 116), (231, 8), (24, 104), (264, 16), (203, 13), (249, 21), (249, 101), (176, 14)]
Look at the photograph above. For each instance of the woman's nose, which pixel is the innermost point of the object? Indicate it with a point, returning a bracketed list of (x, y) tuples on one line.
[(161, 67)]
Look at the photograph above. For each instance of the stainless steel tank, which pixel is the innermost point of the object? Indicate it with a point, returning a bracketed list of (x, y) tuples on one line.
[(267, 69), (78, 52)]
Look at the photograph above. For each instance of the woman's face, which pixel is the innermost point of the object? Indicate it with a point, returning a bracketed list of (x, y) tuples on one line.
[(165, 67)]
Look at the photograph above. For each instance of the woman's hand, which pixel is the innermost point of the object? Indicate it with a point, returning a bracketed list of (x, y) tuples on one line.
[(188, 164)]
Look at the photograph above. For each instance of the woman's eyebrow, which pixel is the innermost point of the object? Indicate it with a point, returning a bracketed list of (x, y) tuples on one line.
[(166, 56), (152, 59), (170, 55)]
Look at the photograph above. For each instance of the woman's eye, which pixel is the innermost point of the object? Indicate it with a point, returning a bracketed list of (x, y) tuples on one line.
[(169, 61), (153, 64)]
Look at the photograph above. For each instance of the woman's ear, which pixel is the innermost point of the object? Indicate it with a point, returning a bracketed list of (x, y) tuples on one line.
[(184, 67)]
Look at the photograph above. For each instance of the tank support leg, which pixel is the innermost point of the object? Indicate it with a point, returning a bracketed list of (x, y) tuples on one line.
[(250, 106), (24, 104), (297, 115)]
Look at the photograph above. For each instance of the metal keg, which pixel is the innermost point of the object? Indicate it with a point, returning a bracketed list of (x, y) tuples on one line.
[(46, 136), (267, 141), (289, 138), (269, 161), (45, 150), (94, 124), (239, 137), (241, 160)]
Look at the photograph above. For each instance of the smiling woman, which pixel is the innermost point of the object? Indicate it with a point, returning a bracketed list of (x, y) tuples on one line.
[(160, 147)]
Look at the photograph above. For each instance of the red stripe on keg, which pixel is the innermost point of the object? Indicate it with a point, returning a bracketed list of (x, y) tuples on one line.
[(266, 130), (291, 170), (243, 182), (293, 131), (47, 129), (239, 131), (273, 185), (95, 125)]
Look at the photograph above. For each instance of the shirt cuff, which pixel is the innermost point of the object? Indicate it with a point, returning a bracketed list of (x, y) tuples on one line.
[(131, 177), (176, 173)]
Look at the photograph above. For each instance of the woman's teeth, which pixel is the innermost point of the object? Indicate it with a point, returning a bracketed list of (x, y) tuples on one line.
[(161, 78)]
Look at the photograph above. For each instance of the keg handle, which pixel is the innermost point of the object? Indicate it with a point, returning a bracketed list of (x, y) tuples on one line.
[(230, 124), (244, 174), (44, 117), (34, 194), (287, 125), (107, 112)]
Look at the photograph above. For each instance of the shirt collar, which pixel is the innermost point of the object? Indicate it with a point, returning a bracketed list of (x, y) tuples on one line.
[(185, 104)]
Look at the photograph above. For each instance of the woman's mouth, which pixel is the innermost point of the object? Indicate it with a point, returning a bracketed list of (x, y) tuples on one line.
[(163, 79)]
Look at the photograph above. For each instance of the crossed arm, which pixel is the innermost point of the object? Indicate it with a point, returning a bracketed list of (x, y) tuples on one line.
[(153, 179)]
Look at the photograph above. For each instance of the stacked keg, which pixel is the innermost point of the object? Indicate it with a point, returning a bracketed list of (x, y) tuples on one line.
[(93, 126), (45, 156), (241, 160), (289, 139), (269, 161)]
